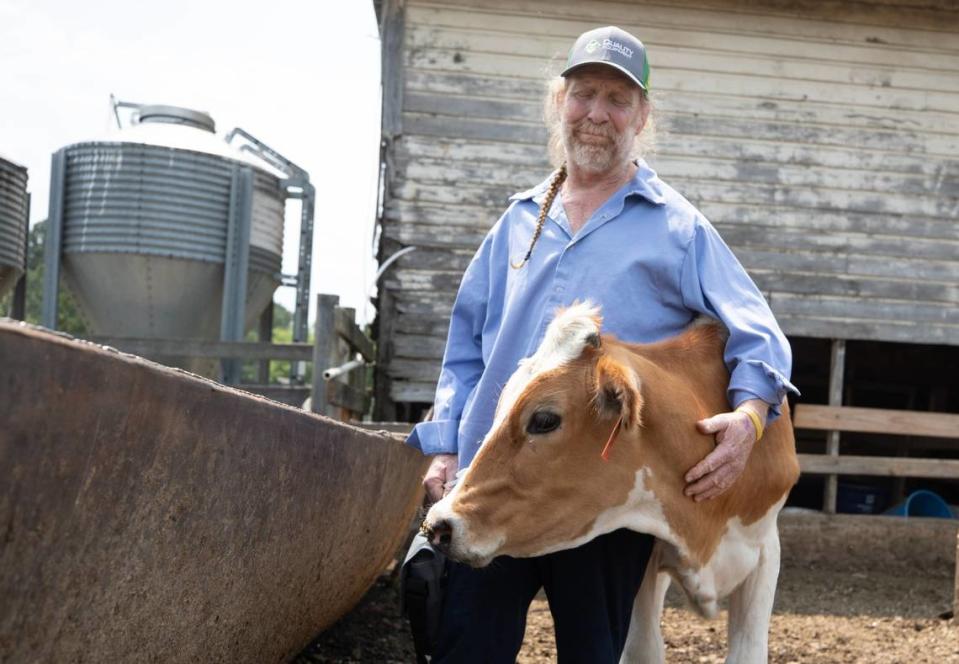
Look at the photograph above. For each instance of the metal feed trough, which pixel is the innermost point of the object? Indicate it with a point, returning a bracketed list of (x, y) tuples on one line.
[(148, 514)]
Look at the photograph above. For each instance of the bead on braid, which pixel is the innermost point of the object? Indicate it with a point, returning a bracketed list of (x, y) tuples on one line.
[(554, 186)]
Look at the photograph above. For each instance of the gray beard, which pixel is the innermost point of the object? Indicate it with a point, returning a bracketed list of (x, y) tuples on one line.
[(596, 158)]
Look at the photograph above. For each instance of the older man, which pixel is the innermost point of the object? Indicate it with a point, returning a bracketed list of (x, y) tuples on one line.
[(602, 227)]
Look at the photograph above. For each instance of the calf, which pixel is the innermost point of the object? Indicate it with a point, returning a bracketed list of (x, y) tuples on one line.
[(592, 434)]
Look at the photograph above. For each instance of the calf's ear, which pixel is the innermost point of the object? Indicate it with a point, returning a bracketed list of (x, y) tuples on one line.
[(616, 392)]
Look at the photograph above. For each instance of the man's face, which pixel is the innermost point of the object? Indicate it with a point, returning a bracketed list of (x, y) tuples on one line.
[(602, 111)]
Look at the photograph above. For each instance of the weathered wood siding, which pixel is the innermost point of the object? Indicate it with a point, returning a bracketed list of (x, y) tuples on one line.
[(821, 138)]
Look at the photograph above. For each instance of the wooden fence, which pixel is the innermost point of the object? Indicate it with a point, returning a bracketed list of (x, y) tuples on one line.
[(338, 341), (838, 419)]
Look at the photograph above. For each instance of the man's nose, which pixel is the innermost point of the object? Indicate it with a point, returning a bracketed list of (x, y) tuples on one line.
[(598, 114)]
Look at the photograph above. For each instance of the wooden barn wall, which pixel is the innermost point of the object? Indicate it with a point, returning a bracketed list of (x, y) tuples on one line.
[(821, 138)]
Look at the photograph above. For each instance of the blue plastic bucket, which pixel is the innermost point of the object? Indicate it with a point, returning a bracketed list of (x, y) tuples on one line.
[(923, 503)]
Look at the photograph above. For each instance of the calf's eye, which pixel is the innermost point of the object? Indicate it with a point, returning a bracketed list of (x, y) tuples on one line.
[(543, 421)]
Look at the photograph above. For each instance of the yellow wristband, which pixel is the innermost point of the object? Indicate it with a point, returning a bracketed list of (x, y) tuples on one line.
[(757, 422)]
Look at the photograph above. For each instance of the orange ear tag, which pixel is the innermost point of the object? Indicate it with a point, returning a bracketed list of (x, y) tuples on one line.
[(612, 437)]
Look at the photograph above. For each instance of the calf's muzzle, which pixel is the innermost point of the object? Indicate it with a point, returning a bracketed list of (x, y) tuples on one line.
[(440, 534)]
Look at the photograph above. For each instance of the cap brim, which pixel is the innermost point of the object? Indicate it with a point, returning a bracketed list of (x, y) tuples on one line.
[(620, 68)]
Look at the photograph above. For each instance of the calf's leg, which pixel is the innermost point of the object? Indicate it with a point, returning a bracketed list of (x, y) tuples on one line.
[(751, 607)]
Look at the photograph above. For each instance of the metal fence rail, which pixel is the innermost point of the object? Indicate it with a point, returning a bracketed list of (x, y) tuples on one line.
[(340, 347)]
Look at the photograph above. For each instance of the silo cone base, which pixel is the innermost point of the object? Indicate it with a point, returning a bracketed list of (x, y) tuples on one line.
[(121, 295), (148, 515)]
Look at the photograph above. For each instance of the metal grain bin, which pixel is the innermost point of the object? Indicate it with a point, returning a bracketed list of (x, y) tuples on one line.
[(146, 218), (13, 223)]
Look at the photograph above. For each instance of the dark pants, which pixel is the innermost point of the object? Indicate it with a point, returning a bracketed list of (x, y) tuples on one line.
[(590, 590)]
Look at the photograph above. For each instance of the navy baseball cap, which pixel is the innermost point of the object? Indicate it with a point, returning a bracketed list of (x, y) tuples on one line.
[(614, 47)]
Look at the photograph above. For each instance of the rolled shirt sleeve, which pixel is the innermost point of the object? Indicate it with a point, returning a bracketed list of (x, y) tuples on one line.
[(463, 362), (757, 352)]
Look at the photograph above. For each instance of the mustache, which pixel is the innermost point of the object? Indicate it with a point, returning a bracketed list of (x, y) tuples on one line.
[(587, 126)]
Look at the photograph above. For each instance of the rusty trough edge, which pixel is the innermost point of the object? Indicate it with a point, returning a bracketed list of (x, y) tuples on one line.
[(147, 514)]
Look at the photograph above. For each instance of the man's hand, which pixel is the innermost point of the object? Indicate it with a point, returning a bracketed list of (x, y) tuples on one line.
[(735, 436), (439, 477)]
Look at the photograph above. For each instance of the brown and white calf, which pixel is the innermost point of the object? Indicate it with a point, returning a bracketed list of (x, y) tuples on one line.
[(539, 482)]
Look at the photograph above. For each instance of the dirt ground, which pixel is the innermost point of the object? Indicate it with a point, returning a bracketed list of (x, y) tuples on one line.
[(838, 615)]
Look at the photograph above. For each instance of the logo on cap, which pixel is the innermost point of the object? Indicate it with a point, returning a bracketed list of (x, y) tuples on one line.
[(611, 45), (592, 46)]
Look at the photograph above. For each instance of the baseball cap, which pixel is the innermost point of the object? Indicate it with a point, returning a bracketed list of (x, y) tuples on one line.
[(614, 47)]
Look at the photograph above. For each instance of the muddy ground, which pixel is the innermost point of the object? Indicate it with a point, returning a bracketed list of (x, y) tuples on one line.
[(842, 614)]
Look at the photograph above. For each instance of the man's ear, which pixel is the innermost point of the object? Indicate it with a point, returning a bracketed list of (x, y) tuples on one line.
[(616, 392), (559, 95)]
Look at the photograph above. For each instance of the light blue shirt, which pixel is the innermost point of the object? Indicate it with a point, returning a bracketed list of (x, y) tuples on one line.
[(651, 261)]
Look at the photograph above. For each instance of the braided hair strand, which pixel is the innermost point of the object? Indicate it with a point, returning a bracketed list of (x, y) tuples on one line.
[(554, 186)]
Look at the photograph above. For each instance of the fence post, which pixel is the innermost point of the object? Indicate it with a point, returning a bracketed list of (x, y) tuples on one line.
[(836, 374), (356, 379), (324, 343)]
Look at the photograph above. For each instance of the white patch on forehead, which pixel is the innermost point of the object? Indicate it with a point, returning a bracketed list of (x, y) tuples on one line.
[(565, 337), (564, 341)]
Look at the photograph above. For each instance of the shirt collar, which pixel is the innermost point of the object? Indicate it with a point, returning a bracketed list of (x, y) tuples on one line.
[(645, 183)]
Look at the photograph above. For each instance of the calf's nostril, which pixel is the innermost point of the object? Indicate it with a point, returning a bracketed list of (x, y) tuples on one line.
[(441, 534)]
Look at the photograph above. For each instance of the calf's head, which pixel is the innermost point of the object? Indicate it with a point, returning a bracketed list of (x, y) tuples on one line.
[(539, 480)]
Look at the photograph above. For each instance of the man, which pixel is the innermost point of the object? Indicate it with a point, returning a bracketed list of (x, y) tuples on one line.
[(605, 228)]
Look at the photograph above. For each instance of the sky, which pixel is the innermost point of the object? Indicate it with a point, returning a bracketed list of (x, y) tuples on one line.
[(303, 76)]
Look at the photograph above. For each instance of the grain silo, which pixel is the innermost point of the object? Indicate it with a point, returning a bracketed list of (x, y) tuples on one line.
[(13, 223), (165, 230)]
